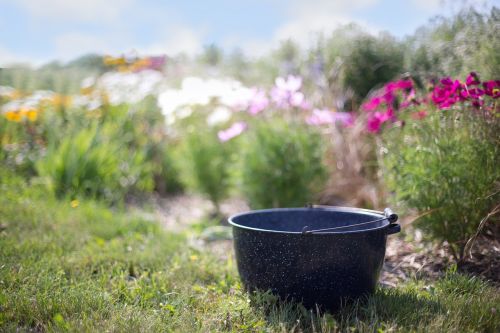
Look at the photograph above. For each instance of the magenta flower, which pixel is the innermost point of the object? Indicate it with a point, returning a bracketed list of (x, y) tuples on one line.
[(327, 117), (372, 104), (446, 81), (478, 103), (376, 120), (492, 88), (398, 85), (440, 94), (476, 93), (373, 125), (232, 132), (472, 79)]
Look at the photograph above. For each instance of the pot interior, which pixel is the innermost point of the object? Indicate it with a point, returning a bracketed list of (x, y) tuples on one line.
[(295, 219)]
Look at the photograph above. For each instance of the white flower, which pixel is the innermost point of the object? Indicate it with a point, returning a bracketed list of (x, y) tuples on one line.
[(221, 114)]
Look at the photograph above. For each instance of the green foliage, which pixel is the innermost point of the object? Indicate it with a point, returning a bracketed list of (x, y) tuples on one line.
[(207, 164), (281, 165), (350, 62), (166, 170), (141, 127), (371, 61), (92, 163), (446, 166), (454, 46)]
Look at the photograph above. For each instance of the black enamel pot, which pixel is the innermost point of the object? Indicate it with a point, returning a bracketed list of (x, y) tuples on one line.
[(318, 255)]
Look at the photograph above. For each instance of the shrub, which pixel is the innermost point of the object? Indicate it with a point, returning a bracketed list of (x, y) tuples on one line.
[(370, 62), (445, 165), (281, 165), (442, 166), (92, 163)]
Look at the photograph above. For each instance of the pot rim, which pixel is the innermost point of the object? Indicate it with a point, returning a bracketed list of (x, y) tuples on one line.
[(374, 213)]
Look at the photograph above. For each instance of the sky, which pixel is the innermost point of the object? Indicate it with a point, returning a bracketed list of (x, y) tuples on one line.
[(38, 31)]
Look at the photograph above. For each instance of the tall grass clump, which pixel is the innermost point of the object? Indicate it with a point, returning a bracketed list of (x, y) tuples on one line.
[(93, 164), (281, 165)]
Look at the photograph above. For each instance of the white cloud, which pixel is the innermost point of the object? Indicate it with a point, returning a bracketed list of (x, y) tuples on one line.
[(428, 5), (8, 58), (176, 39), (75, 10), (435, 6), (69, 45), (307, 18)]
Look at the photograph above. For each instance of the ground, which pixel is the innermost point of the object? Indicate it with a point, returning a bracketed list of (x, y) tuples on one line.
[(92, 268)]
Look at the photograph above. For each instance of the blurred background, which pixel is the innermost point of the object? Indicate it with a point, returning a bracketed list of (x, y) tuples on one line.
[(269, 103)]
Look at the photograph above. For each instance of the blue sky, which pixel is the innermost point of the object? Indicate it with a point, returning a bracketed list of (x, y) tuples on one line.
[(38, 31)]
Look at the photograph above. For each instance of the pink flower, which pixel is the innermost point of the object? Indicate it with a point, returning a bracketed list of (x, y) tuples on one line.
[(305, 105), (279, 97), (410, 99), (327, 117), (291, 84), (157, 62), (258, 102), (232, 132), (286, 92), (419, 115), (297, 99)]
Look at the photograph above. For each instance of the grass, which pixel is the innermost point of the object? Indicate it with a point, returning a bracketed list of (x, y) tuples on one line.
[(92, 268)]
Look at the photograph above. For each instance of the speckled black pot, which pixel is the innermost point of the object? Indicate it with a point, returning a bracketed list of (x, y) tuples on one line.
[(323, 268)]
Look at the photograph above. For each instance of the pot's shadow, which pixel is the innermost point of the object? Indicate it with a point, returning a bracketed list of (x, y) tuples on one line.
[(387, 305)]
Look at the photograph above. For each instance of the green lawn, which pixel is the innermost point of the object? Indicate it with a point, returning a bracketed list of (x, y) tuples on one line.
[(92, 268)]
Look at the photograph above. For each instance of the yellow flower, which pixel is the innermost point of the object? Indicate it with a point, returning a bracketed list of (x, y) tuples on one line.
[(123, 68), (112, 61), (104, 98), (193, 257), (140, 64), (61, 100), (86, 90), (13, 115), (30, 113), (75, 203), (16, 94)]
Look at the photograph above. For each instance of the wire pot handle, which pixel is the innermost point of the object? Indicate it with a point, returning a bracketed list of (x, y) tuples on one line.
[(389, 215)]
